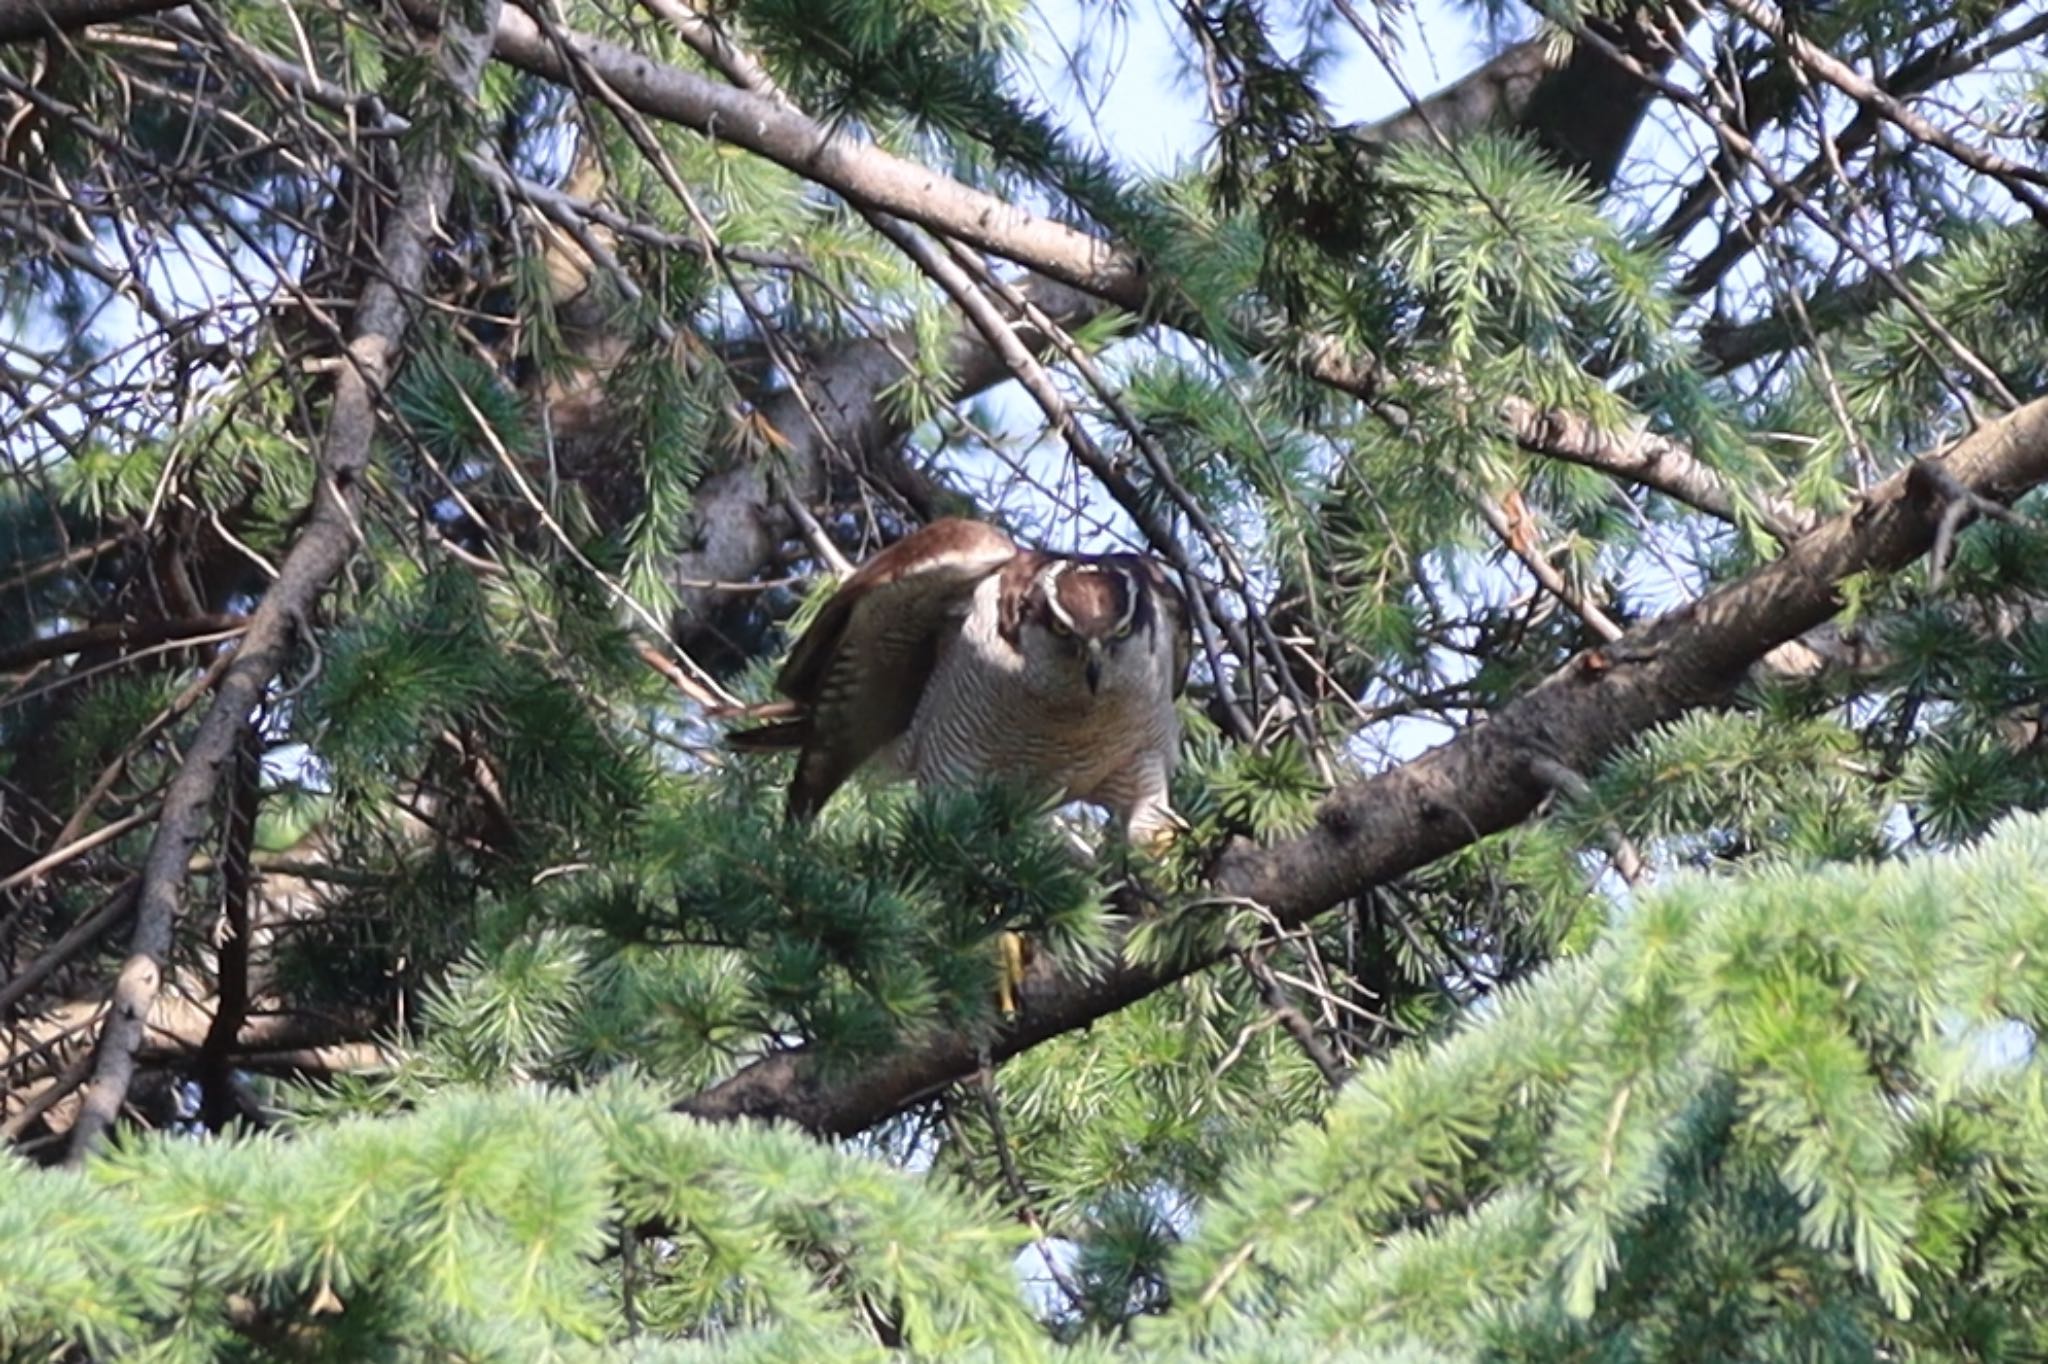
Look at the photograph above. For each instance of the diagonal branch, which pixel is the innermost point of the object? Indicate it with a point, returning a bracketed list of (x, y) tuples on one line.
[(1368, 832), (740, 520), (863, 173), (1088, 267), (28, 19), (1648, 459), (2021, 181), (327, 542)]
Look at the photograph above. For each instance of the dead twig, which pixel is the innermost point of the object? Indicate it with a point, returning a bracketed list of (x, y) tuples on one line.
[(1962, 504), (327, 542), (1292, 1021)]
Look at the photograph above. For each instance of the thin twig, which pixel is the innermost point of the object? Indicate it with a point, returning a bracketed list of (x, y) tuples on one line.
[(1961, 504), (1568, 783), (76, 939), (1291, 1020), (1020, 1193), (326, 543)]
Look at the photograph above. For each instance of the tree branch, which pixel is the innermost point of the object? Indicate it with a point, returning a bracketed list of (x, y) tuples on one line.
[(328, 541), (120, 634), (2021, 181), (1368, 832), (739, 522), (1643, 457), (738, 519), (29, 19), (863, 173)]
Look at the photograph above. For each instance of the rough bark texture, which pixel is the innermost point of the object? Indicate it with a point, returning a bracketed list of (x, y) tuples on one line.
[(1370, 831), (381, 317), (26, 19)]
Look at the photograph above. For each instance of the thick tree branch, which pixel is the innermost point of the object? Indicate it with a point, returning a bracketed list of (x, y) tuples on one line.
[(1643, 457), (215, 1068), (739, 520), (1076, 275), (326, 543), (1370, 831), (862, 172), (119, 635), (1765, 101), (1725, 346)]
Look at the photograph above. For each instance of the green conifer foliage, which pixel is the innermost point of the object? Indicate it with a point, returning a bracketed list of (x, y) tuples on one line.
[(1606, 915)]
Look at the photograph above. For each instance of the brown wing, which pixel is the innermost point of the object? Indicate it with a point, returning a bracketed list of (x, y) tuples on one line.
[(854, 678)]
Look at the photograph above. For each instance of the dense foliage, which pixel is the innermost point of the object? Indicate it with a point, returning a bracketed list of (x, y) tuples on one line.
[(371, 768)]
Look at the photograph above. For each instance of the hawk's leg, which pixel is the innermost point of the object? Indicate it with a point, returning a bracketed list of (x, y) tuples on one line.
[(1016, 947), (1016, 950), (1137, 801), (1141, 801)]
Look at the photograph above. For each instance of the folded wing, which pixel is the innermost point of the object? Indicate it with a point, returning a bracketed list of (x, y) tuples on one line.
[(854, 678)]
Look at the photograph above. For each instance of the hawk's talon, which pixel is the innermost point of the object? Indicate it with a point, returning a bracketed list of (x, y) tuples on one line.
[(1159, 842)]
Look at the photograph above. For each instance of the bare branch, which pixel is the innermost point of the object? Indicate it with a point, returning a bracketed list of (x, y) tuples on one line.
[(81, 936), (1646, 458), (326, 543), (20, 19), (1509, 523), (2021, 181), (120, 634)]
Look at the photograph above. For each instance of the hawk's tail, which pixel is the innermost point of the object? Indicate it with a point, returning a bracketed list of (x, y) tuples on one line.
[(773, 738), (790, 727), (817, 774)]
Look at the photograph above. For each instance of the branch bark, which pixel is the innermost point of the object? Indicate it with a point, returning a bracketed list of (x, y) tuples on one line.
[(1485, 780), (863, 173), (1582, 112), (1075, 275), (23, 20), (380, 322), (120, 635), (2021, 181), (1648, 459)]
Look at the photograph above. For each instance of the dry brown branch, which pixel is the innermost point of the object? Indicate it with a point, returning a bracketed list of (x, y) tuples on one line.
[(2021, 181), (323, 546)]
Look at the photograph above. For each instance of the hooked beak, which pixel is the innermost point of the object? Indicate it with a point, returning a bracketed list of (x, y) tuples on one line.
[(1092, 669)]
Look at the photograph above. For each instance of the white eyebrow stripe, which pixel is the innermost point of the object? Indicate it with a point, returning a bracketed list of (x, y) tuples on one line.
[(1049, 584)]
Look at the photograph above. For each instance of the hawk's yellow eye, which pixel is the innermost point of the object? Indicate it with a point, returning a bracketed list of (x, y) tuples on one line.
[(1122, 631), (1060, 627)]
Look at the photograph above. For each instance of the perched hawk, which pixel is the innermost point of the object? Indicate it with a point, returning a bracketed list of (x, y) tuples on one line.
[(958, 657)]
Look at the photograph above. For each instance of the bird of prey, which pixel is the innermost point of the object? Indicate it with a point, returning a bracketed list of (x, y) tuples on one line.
[(956, 656)]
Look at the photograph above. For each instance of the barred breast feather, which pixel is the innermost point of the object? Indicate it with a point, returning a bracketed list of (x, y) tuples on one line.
[(958, 657)]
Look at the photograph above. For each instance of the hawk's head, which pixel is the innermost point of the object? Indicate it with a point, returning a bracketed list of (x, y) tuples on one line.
[(1079, 614)]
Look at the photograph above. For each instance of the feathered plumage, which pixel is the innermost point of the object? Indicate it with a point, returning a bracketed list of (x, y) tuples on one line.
[(956, 656)]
